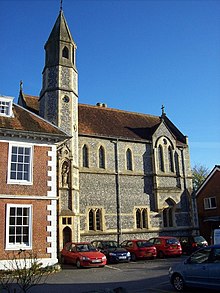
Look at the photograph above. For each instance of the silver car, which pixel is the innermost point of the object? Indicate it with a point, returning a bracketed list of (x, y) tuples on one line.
[(201, 269)]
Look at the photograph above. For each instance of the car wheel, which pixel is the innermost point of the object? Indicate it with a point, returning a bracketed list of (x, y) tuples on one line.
[(178, 282), (78, 264), (133, 257), (160, 254)]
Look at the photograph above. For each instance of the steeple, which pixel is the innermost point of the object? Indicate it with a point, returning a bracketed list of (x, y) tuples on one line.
[(60, 46), (59, 105), (60, 76)]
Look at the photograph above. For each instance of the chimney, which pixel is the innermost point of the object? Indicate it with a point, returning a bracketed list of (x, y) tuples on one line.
[(101, 105)]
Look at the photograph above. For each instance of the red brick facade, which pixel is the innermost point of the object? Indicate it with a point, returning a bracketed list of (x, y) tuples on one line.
[(209, 217), (39, 221), (40, 173)]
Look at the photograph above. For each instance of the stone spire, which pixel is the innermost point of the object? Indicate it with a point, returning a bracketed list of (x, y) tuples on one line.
[(60, 37)]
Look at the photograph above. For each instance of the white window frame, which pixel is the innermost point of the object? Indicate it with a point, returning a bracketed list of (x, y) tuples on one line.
[(208, 203), (21, 245), (17, 181), (6, 106)]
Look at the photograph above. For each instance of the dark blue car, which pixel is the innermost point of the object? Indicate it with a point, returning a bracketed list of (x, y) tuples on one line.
[(112, 251), (201, 269)]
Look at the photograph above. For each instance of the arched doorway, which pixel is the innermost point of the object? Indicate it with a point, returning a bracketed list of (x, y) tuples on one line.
[(67, 235)]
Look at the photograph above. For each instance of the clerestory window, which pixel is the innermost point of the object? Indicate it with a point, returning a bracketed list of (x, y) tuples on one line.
[(129, 159)]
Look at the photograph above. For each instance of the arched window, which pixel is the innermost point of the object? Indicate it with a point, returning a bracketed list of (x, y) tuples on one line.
[(160, 158), (141, 219), (65, 52), (98, 219), (178, 178), (168, 217), (170, 157), (95, 219), (101, 157), (165, 218), (144, 218), (91, 220), (85, 156), (129, 159), (138, 219)]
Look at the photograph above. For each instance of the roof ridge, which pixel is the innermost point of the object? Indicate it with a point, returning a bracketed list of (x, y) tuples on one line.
[(118, 110)]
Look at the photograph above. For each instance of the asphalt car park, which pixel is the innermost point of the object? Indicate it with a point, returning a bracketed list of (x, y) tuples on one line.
[(143, 276)]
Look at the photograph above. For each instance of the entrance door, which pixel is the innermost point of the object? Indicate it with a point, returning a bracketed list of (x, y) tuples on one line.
[(67, 235)]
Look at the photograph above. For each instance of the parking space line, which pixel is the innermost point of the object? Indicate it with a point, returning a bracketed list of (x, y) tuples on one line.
[(113, 268)]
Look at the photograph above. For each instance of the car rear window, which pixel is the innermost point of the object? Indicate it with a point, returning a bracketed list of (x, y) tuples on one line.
[(172, 241), (199, 239), (143, 244)]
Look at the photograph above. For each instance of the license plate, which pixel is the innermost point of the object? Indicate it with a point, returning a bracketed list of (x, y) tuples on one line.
[(122, 257), (96, 260)]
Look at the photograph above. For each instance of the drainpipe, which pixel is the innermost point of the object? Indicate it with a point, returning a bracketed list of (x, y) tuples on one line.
[(185, 188), (117, 189)]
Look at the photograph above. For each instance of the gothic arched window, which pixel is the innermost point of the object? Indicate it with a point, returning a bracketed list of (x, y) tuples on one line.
[(141, 219), (98, 219), (91, 220), (170, 157), (144, 218), (160, 158), (95, 219), (168, 217), (101, 157), (138, 219), (65, 53), (85, 156), (129, 159)]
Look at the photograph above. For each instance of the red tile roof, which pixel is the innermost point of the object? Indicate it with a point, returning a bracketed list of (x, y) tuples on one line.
[(94, 120), (108, 122), (25, 121)]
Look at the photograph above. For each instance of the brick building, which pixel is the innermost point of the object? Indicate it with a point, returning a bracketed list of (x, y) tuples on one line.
[(122, 174), (28, 183), (208, 204)]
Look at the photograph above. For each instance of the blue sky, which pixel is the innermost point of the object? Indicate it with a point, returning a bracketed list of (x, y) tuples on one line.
[(132, 55)]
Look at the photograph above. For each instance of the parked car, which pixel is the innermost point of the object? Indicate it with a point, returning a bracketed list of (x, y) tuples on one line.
[(166, 246), (82, 254), (112, 251), (192, 243), (139, 249), (201, 269)]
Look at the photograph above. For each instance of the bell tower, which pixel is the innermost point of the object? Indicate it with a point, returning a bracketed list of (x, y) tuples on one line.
[(59, 105)]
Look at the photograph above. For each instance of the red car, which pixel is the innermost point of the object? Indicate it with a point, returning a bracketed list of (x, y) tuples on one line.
[(82, 254), (166, 246), (139, 248)]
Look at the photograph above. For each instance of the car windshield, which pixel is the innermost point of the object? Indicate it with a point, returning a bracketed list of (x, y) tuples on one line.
[(172, 241), (200, 257), (110, 244), (143, 244), (85, 247)]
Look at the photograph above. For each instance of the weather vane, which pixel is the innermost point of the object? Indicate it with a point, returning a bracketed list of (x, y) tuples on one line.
[(61, 5)]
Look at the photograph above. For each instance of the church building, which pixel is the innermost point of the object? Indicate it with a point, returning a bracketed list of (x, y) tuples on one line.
[(120, 174)]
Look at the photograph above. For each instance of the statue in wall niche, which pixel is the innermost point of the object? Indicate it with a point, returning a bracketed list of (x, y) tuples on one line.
[(65, 174)]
